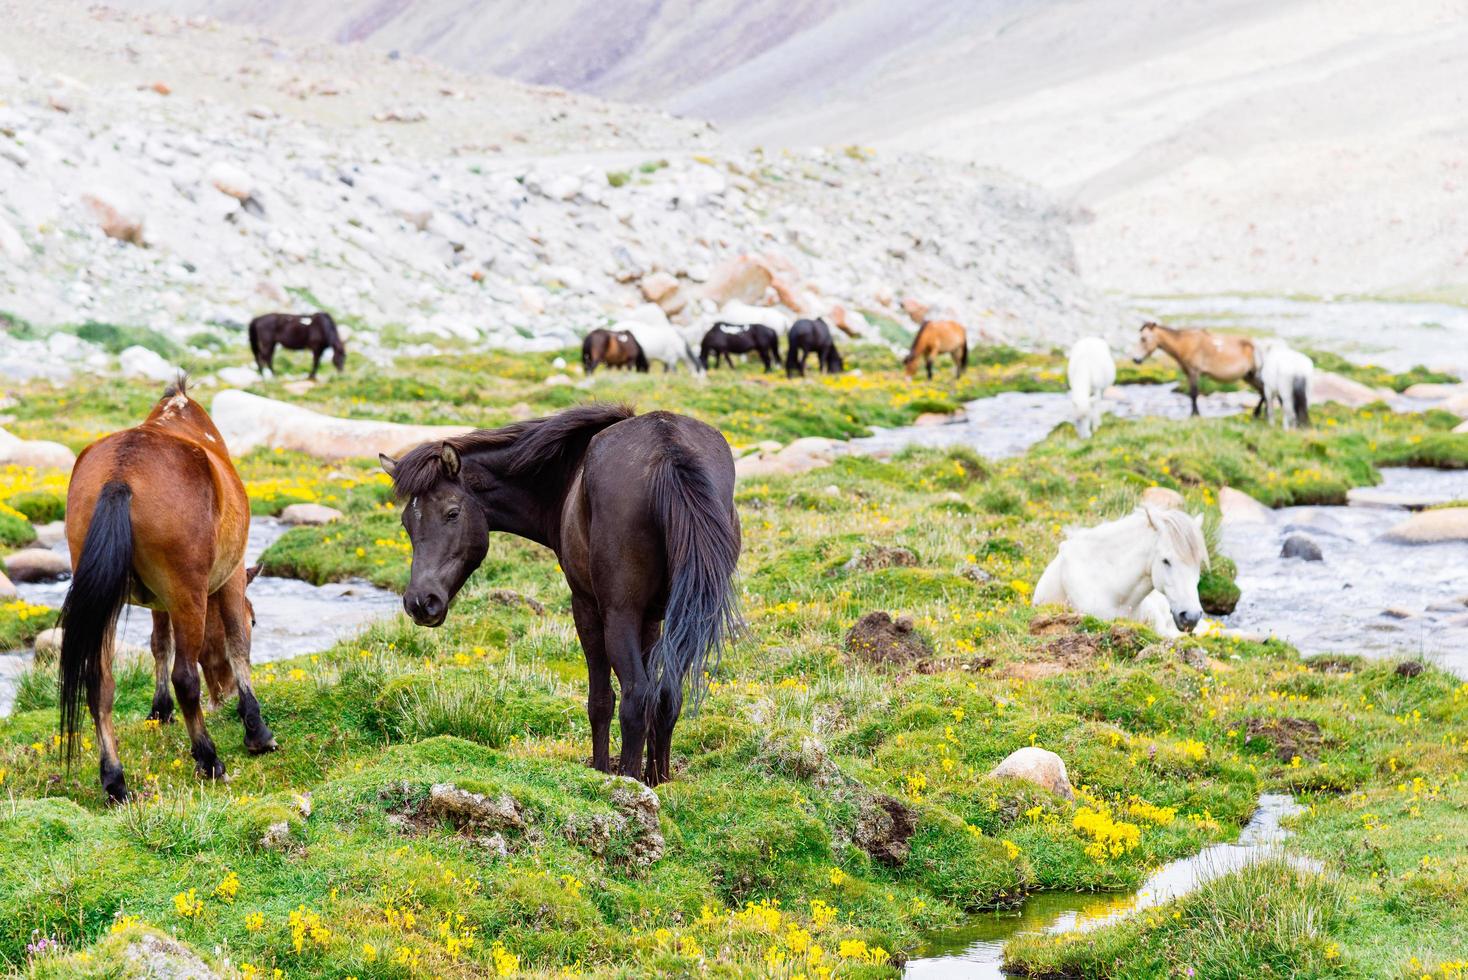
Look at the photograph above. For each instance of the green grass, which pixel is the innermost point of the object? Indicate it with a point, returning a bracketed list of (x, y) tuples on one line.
[(783, 775)]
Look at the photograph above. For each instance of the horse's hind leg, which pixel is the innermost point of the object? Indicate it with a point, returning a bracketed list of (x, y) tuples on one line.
[(600, 701), (315, 362), (188, 646), (234, 616), (100, 703), (162, 644), (664, 717), (622, 633), (1193, 392)]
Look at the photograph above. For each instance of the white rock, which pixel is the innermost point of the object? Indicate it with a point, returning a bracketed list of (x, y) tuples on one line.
[(1039, 766), (140, 362), (1327, 386), (12, 246), (238, 377), (37, 565), (1237, 507), (15, 451), (50, 534), (309, 514), (249, 421), (231, 180), (1164, 498), (7, 587), (1432, 527)]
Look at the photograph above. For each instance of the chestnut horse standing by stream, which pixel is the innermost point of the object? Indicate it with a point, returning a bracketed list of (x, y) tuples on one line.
[(639, 510), (156, 515), (1222, 357)]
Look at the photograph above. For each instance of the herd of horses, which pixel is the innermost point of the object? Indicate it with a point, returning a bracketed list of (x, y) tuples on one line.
[(638, 509)]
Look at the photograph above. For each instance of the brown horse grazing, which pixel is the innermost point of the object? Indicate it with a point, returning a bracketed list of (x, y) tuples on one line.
[(639, 510), (314, 333), (1222, 357), (156, 515), (614, 348), (938, 337)]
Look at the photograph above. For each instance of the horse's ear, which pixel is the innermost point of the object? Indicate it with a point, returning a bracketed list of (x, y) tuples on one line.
[(1151, 516), (389, 465), (251, 573), (450, 457), (1198, 520)]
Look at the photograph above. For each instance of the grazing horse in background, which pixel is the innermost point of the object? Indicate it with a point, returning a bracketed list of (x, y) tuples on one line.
[(156, 515), (724, 339), (614, 348), (807, 337), (639, 510), (1286, 374), (1138, 567), (1222, 357), (936, 337), (660, 342), (314, 333), (1090, 371)]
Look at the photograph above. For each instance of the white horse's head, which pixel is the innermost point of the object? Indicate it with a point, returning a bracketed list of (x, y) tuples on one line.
[(1177, 559)]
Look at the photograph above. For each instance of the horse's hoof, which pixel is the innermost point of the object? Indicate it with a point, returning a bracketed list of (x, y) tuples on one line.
[(119, 797), (260, 748), (211, 772)]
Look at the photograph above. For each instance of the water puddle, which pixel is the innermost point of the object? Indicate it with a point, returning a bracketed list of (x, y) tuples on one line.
[(1341, 604), (975, 951), (291, 617), (1010, 423)]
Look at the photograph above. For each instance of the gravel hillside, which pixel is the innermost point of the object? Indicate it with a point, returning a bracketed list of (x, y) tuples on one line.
[(187, 176)]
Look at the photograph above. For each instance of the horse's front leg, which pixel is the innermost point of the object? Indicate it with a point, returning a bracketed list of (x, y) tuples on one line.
[(1193, 391), (315, 362)]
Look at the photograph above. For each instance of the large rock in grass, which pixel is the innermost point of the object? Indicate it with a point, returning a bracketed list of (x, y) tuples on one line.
[(743, 278), (117, 215), (1432, 527), (1039, 766), (15, 451), (37, 565), (309, 514), (809, 453), (7, 588), (250, 421), (1326, 386), (1237, 507), (1163, 498), (140, 362)]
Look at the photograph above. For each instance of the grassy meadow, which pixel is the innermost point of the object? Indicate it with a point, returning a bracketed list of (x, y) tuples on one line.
[(828, 807)]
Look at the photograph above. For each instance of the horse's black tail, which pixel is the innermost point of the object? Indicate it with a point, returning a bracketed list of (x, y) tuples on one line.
[(255, 340), (588, 363), (99, 590), (701, 539), (1300, 389), (792, 361), (963, 358)]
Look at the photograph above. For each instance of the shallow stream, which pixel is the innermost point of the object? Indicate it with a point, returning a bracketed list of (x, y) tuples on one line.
[(291, 617), (975, 951)]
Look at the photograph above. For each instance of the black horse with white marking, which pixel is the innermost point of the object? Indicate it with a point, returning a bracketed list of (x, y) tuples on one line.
[(315, 333), (811, 337), (724, 339), (639, 510)]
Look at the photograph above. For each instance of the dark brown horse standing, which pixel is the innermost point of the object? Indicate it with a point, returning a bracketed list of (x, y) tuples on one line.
[(614, 348), (639, 510), (156, 515), (314, 333)]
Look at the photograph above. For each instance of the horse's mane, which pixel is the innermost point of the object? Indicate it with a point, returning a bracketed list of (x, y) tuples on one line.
[(535, 446), (328, 326), (1183, 533), (1175, 525), (178, 386)]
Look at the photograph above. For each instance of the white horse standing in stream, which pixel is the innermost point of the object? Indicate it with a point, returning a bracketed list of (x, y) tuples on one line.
[(1286, 374), (1144, 566), (1090, 372)]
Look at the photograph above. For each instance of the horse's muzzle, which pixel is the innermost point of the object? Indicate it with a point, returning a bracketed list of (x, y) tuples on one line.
[(1187, 620), (427, 609)]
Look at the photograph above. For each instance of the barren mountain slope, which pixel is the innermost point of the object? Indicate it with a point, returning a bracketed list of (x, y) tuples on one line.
[(1300, 146)]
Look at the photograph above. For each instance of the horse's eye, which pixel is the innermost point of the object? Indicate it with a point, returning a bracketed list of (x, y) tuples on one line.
[(1167, 562), (452, 515)]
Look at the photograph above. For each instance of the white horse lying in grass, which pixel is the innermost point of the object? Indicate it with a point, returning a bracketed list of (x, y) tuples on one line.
[(1144, 566), (661, 342), (1091, 371), (1285, 374)]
